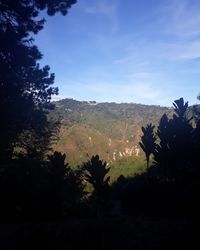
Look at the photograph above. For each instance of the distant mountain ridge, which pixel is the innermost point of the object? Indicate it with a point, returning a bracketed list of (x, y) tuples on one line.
[(111, 130)]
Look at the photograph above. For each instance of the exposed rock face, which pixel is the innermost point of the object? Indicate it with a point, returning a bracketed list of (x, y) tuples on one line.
[(133, 151), (114, 156), (109, 129)]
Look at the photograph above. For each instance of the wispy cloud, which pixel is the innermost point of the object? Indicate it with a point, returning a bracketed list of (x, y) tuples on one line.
[(180, 21), (182, 51), (176, 29), (140, 87), (102, 7), (147, 64), (181, 18), (119, 56), (106, 8)]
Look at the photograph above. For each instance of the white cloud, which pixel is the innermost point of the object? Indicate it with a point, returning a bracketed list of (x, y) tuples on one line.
[(105, 8), (176, 34), (181, 18)]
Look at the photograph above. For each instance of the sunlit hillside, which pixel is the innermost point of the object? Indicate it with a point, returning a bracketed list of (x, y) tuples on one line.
[(109, 129)]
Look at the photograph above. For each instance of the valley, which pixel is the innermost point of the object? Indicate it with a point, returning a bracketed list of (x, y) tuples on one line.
[(110, 130)]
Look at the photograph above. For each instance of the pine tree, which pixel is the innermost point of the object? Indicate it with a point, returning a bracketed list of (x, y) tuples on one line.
[(25, 87)]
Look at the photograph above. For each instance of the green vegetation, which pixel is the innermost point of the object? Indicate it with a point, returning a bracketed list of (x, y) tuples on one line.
[(128, 167), (110, 130)]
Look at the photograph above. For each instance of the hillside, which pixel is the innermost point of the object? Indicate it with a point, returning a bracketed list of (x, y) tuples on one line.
[(109, 129)]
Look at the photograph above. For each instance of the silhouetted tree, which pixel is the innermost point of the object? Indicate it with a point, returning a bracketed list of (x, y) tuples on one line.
[(196, 138), (25, 88), (196, 111), (95, 172), (148, 141), (67, 188), (174, 153), (171, 185)]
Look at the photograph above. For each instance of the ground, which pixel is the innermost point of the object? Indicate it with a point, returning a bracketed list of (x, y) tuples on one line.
[(90, 234)]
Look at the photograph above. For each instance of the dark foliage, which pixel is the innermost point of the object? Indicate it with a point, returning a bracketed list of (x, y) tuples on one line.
[(67, 185), (170, 187), (148, 141), (34, 190), (95, 172), (25, 88), (174, 154)]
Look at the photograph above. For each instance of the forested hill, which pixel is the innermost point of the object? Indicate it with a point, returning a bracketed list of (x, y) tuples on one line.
[(109, 129)]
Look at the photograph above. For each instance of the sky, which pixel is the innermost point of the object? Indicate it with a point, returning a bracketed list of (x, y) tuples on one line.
[(139, 51)]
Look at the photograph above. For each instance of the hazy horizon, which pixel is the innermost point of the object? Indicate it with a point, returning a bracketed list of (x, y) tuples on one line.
[(54, 99)]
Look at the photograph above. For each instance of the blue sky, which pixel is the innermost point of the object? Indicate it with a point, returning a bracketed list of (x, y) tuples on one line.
[(141, 51)]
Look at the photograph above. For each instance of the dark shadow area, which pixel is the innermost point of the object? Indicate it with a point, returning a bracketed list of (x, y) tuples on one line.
[(170, 186), (44, 202)]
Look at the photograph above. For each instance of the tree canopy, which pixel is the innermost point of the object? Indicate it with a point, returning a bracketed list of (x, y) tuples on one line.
[(25, 87)]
